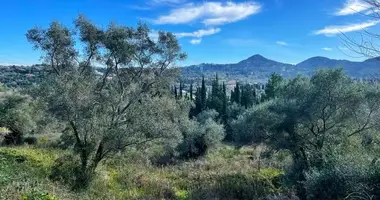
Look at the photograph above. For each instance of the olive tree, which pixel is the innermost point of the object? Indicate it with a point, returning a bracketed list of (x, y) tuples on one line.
[(200, 134), (118, 104), (311, 117), (18, 114)]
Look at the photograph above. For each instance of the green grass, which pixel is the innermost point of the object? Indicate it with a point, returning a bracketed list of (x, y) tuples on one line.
[(20, 163), (25, 170)]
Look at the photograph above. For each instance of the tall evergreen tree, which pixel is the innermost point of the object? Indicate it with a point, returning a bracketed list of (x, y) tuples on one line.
[(198, 104), (203, 95), (224, 104), (175, 92), (247, 95), (213, 101), (191, 90), (272, 87), (236, 94), (180, 89)]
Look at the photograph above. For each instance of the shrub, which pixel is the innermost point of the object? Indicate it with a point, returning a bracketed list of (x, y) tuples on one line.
[(66, 170), (333, 183), (66, 140), (13, 139), (245, 186), (38, 196), (199, 136), (238, 185), (30, 140), (155, 187), (18, 114)]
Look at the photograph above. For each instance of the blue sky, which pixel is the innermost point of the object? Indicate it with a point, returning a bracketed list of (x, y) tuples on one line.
[(212, 31)]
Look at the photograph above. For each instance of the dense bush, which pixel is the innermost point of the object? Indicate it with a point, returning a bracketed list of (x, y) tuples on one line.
[(200, 135), (18, 114), (66, 140), (331, 184), (344, 180), (65, 169), (242, 186), (30, 140)]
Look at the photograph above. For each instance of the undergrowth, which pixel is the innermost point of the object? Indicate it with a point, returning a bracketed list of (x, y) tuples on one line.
[(224, 173)]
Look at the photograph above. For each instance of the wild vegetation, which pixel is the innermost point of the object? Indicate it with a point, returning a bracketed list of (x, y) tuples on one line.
[(132, 131)]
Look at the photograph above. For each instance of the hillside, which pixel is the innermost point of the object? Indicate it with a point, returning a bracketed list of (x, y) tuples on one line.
[(256, 68), (259, 68)]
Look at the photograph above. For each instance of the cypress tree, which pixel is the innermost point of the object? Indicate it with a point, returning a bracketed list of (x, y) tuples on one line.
[(203, 95), (224, 105), (180, 89), (175, 92), (213, 98), (236, 97), (271, 88), (191, 90), (198, 103)]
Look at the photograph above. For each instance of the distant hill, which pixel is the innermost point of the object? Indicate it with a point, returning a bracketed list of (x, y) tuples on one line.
[(20, 76), (256, 68), (259, 68)]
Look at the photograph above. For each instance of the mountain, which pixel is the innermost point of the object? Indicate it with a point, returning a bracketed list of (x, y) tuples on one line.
[(254, 66), (259, 68)]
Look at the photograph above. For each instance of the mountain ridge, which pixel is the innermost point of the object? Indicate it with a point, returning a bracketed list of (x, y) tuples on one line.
[(260, 67)]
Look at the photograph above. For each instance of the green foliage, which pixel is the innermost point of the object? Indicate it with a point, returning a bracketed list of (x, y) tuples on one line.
[(272, 88), (235, 94), (18, 114), (217, 99), (200, 99), (66, 140), (243, 186), (30, 140), (126, 105), (66, 170), (20, 76), (200, 135), (329, 184), (248, 96), (310, 117), (20, 164), (38, 196)]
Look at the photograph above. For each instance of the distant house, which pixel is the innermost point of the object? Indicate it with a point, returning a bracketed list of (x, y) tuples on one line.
[(231, 82)]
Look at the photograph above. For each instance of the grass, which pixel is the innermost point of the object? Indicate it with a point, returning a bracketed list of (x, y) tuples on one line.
[(25, 170)]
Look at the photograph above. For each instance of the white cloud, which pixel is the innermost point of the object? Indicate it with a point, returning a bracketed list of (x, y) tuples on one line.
[(327, 49), (282, 43), (196, 41), (198, 34), (210, 13), (333, 30), (352, 7)]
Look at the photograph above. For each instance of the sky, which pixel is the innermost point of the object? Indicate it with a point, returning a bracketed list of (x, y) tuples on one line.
[(211, 31)]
